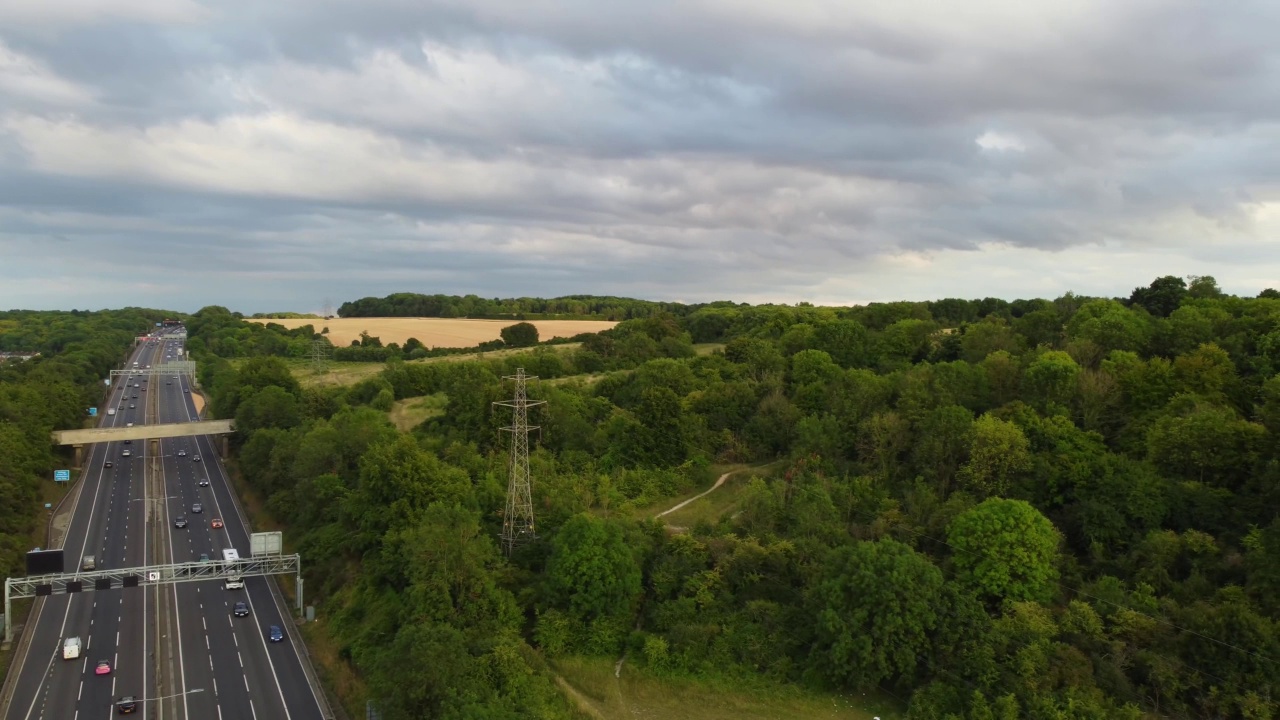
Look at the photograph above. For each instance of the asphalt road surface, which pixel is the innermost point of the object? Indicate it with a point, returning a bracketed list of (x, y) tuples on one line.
[(177, 648)]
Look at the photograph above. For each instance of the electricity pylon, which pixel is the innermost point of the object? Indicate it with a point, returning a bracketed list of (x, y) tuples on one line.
[(517, 521)]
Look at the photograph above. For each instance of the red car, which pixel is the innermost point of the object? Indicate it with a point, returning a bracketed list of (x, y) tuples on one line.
[(103, 668), (216, 522)]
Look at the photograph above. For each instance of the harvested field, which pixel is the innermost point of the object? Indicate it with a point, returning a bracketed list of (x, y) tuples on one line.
[(437, 332)]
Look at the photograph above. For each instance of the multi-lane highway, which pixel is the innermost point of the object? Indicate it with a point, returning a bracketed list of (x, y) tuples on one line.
[(179, 649)]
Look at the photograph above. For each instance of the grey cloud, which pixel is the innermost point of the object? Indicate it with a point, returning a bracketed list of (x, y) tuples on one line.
[(674, 149)]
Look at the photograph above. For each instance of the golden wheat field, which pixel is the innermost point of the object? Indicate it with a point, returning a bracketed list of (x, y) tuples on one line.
[(436, 332)]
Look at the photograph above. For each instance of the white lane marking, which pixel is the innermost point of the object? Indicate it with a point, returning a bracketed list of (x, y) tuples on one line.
[(93, 506), (177, 613)]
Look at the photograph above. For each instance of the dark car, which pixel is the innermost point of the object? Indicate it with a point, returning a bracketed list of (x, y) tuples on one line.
[(204, 482), (196, 458), (180, 521), (168, 382), (275, 634), (135, 397), (127, 704), (241, 609), (108, 464), (197, 508), (182, 453)]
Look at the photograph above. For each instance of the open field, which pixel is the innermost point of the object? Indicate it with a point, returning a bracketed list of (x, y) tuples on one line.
[(437, 332), (411, 412), (637, 694), (350, 373)]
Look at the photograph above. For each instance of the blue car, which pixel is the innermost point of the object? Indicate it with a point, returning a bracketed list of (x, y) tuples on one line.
[(275, 634)]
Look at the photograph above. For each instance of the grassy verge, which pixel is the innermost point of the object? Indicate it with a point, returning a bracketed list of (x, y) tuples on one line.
[(337, 676), (409, 413), (639, 694)]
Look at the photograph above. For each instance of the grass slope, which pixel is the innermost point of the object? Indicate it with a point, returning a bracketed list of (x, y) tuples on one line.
[(638, 694), (411, 412)]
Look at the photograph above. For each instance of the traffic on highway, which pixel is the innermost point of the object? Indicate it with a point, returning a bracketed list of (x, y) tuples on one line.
[(214, 649)]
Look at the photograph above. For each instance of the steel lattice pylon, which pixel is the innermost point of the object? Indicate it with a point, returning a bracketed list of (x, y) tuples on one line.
[(517, 521)]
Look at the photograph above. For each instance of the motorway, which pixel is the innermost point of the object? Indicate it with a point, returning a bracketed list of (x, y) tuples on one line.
[(178, 648)]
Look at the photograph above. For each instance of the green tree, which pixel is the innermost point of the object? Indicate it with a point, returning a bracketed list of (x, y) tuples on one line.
[(877, 608), (1005, 550), (998, 454), (1162, 296), (1050, 380), (592, 572), (1109, 325), (1196, 440), (942, 444), (520, 335)]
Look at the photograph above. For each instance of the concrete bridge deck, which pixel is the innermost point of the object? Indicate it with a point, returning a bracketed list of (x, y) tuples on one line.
[(143, 432)]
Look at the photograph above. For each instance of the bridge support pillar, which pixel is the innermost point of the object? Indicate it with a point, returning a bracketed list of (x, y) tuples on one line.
[(224, 446), (79, 456)]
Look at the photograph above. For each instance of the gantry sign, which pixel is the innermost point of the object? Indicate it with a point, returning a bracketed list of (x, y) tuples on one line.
[(146, 576), (177, 367)]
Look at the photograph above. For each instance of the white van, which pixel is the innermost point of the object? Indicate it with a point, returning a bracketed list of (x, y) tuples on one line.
[(71, 648), (88, 563)]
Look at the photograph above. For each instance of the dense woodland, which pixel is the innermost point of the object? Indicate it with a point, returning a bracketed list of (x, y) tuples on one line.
[(1040, 509), (52, 391)]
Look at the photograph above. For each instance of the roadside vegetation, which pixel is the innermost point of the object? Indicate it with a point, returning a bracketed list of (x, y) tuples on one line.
[(971, 509), (51, 391)]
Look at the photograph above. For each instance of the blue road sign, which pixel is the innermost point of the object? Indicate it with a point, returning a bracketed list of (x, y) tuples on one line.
[(61, 475), (93, 412), (157, 324)]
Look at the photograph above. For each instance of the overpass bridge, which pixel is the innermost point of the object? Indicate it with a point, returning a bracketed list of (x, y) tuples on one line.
[(87, 436)]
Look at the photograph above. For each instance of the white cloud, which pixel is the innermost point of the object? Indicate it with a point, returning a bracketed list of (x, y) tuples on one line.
[(1000, 141)]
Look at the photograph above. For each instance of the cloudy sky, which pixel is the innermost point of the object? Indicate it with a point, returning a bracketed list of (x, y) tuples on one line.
[(272, 154)]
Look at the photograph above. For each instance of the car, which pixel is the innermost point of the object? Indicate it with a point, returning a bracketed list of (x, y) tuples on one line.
[(180, 522), (132, 406), (182, 453), (102, 668), (185, 390), (127, 704), (196, 458), (215, 523), (108, 464), (204, 482), (128, 424), (275, 634), (135, 396), (241, 609), (204, 557), (126, 453), (197, 508), (168, 382)]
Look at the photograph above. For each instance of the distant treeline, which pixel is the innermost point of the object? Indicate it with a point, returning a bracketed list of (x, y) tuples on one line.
[(570, 307), (948, 312), (285, 316)]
